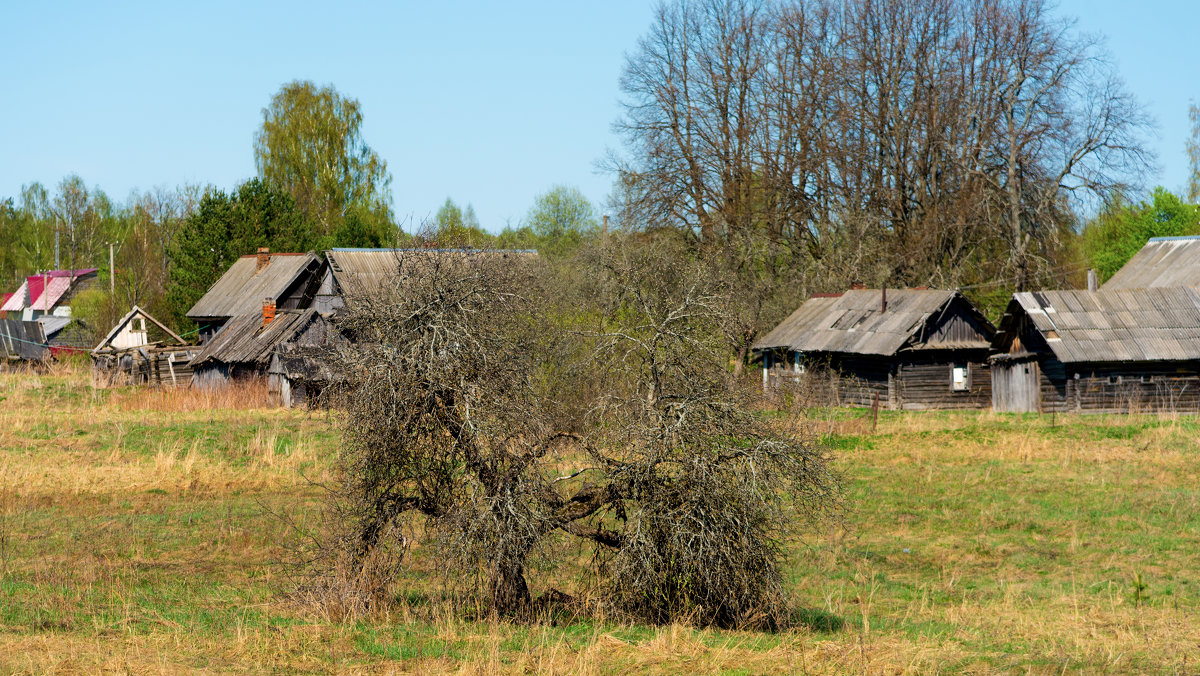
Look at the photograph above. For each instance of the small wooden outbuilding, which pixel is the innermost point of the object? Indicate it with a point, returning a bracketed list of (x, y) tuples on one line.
[(22, 342), (141, 350), (1121, 350), (298, 375), (905, 348)]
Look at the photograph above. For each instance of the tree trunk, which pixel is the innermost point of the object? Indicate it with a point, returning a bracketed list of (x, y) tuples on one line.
[(510, 593), (739, 365)]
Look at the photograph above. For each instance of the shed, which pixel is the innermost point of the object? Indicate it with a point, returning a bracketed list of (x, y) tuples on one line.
[(140, 349), (288, 279), (1122, 350), (22, 342), (1162, 262), (905, 348), (299, 375), (243, 348)]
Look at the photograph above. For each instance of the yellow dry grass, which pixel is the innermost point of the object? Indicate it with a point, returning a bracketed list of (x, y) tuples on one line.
[(138, 535)]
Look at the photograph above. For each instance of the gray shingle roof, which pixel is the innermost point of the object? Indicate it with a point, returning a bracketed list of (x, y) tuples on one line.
[(1164, 261), (242, 290), (855, 322), (364, 270), (244, 340), (1160, 324)]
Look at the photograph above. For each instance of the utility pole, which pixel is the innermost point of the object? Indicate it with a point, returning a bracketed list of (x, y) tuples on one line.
[(56, 229), (112, 272)]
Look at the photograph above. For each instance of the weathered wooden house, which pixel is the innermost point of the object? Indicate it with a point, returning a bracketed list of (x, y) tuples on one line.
[(289, 280), (907, 349), (363, 271), (1112, 350), (1162, 262), (243, 348), (142, 350)]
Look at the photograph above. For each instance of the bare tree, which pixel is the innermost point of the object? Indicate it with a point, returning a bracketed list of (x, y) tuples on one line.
[(937, 141), (459, 424)]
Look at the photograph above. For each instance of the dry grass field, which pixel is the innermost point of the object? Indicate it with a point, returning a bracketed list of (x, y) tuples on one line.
[(138, 534)]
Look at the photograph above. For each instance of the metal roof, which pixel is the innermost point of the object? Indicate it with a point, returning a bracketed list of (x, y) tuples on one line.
[(364, 270), (856, 323), (244, 340), (1163, 262), (16, 301), (243, 288), (1160, 324), (44, 291), (52, 324)]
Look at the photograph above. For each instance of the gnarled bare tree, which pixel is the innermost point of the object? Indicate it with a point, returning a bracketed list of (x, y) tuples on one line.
[(457, 426)]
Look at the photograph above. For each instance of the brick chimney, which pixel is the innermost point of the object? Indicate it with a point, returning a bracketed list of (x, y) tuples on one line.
[(857, 285), (268, 311), (264, 259)]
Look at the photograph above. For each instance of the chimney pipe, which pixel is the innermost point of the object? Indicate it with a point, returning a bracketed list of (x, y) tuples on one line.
[(883, 299), (264, 259), (1093, 283), (268, 311), (605, 230)]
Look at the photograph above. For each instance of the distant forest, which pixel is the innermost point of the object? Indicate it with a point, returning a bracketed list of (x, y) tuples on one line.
[(798, 146)]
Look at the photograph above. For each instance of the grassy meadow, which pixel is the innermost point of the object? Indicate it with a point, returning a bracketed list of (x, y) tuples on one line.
[(140, 532)]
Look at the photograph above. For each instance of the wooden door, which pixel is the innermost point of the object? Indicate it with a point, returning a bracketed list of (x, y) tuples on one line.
[(1016, 386)]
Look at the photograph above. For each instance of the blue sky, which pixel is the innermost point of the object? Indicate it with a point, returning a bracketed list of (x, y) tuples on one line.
[(488, 103)]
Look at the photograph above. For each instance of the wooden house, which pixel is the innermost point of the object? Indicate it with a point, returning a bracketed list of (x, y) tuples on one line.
[(1112, 350), (289, 280), (243, 348), (905, 348), (363, 271)]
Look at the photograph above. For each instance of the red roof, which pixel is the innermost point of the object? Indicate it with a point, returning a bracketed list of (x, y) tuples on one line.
[(44, 290)]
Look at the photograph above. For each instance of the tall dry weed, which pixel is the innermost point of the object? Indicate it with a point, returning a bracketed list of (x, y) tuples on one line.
[(240, 395)]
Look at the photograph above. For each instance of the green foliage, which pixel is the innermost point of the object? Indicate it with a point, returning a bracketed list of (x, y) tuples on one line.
[(561, 217), (1122, 229), (454, 228), (225, 227), (361, 229), (518, 238), (311, 146)]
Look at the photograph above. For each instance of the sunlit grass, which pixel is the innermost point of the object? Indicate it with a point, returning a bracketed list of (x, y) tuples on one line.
[(139, 533)]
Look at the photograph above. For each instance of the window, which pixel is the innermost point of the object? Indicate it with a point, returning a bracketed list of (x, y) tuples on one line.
[(959, 376)]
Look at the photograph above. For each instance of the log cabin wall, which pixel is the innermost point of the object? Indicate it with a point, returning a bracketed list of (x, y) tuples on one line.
[(925, 381), (1169, 387)]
